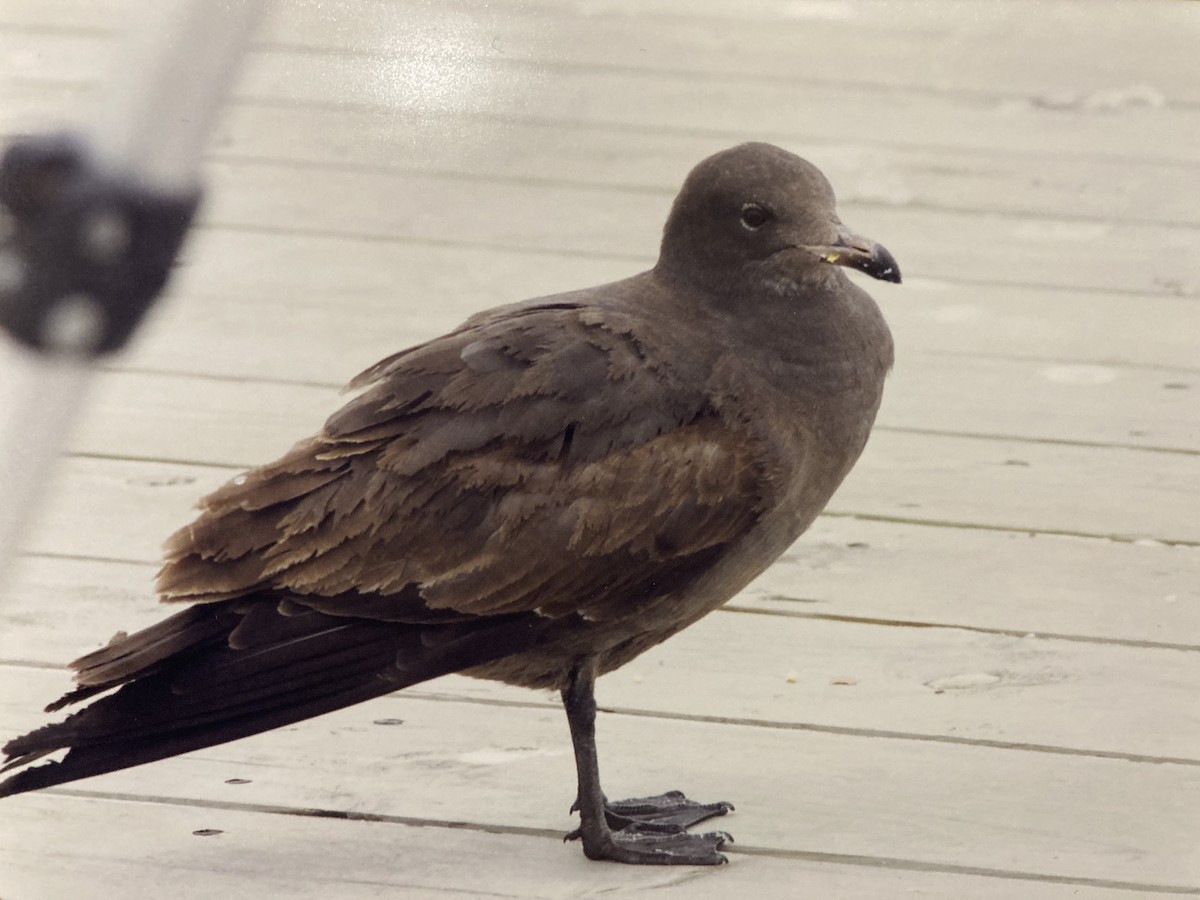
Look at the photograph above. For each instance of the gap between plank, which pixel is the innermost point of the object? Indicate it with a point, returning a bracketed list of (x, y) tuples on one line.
[(832, 514), (897, 429), (79, 85), (640, 259), (380, 168), (1007, 529), (331, 386), (272, 161), (140, 369), (553, 64), (850, 859), (733, 606), (432, 696), (83, 557), (1033, 439), (843, 730)]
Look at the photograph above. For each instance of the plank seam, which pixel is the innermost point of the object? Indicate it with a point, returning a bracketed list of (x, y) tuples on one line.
[(969, 96), (79, 85), (428, 696), (733, 606), (1035, 439), (340, 387), (668, 192), (639, 259), (842, 730), (1010, 529), (816, 856)]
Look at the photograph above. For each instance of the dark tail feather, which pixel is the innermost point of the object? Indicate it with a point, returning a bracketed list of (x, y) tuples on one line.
[(127, 657), (207, 693)]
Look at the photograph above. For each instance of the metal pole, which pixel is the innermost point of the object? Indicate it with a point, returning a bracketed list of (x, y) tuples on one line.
[(162, 103)]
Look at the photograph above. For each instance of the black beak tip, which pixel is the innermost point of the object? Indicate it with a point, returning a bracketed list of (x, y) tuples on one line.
[(883, 265)]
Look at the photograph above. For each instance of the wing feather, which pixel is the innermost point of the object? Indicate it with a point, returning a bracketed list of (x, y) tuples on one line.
[(529, 462)]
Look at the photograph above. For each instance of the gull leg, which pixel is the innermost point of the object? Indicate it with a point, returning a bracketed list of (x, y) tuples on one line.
[(652, 832)]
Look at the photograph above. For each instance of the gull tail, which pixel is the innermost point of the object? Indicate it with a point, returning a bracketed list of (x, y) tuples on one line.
[(217, 672)]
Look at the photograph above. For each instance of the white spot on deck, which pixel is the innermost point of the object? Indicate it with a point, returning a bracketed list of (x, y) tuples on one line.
[(963, 682), (497, 756), (1079, 374)]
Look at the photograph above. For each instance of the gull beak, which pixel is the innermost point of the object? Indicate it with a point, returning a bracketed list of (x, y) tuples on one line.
[(858, 252)]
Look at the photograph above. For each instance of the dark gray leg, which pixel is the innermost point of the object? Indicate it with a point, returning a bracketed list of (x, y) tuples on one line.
[(649, 830)]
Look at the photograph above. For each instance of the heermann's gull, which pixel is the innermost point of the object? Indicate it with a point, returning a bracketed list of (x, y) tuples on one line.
[(536, 497)]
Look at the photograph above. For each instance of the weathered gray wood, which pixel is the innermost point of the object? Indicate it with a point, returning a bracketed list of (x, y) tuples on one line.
[(119, 509), (984, 579), (186, 418), (1122, 493), (694, 38), (940, 51), (969, 481), (943, 682), (890, 572), (48, 852), (625, 99), (352, 302), (55, 609), (236, 422), (1044, 400), (653, 160), (975, 179), (805, 792), (470, 76), (933, 243)]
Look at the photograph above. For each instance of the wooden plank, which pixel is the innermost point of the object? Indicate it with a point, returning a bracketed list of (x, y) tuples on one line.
[(50, 852), (761, 40), (680, 101), (326, 288), (733, 665), (234, 422), (1108, 492), (509, 767), (1111, 491), (1023, 399), (939, 52), (652, 160), (203, 420), (1015, 331), (626, 226), (120, 510), (982, 579), (929, 243), (454, 77), (54, 609), (922, 681), (847, 568)]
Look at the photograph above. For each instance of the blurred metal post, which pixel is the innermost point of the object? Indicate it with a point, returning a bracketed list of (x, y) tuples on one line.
[(90, 226)]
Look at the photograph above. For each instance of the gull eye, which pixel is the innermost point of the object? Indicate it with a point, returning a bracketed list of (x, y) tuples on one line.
[(754, 216)]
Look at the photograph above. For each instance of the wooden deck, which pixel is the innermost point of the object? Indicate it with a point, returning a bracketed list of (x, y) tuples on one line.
[(976, 677)]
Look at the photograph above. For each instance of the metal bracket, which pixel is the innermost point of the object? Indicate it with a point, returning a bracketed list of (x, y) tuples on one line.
[(83, 252)]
